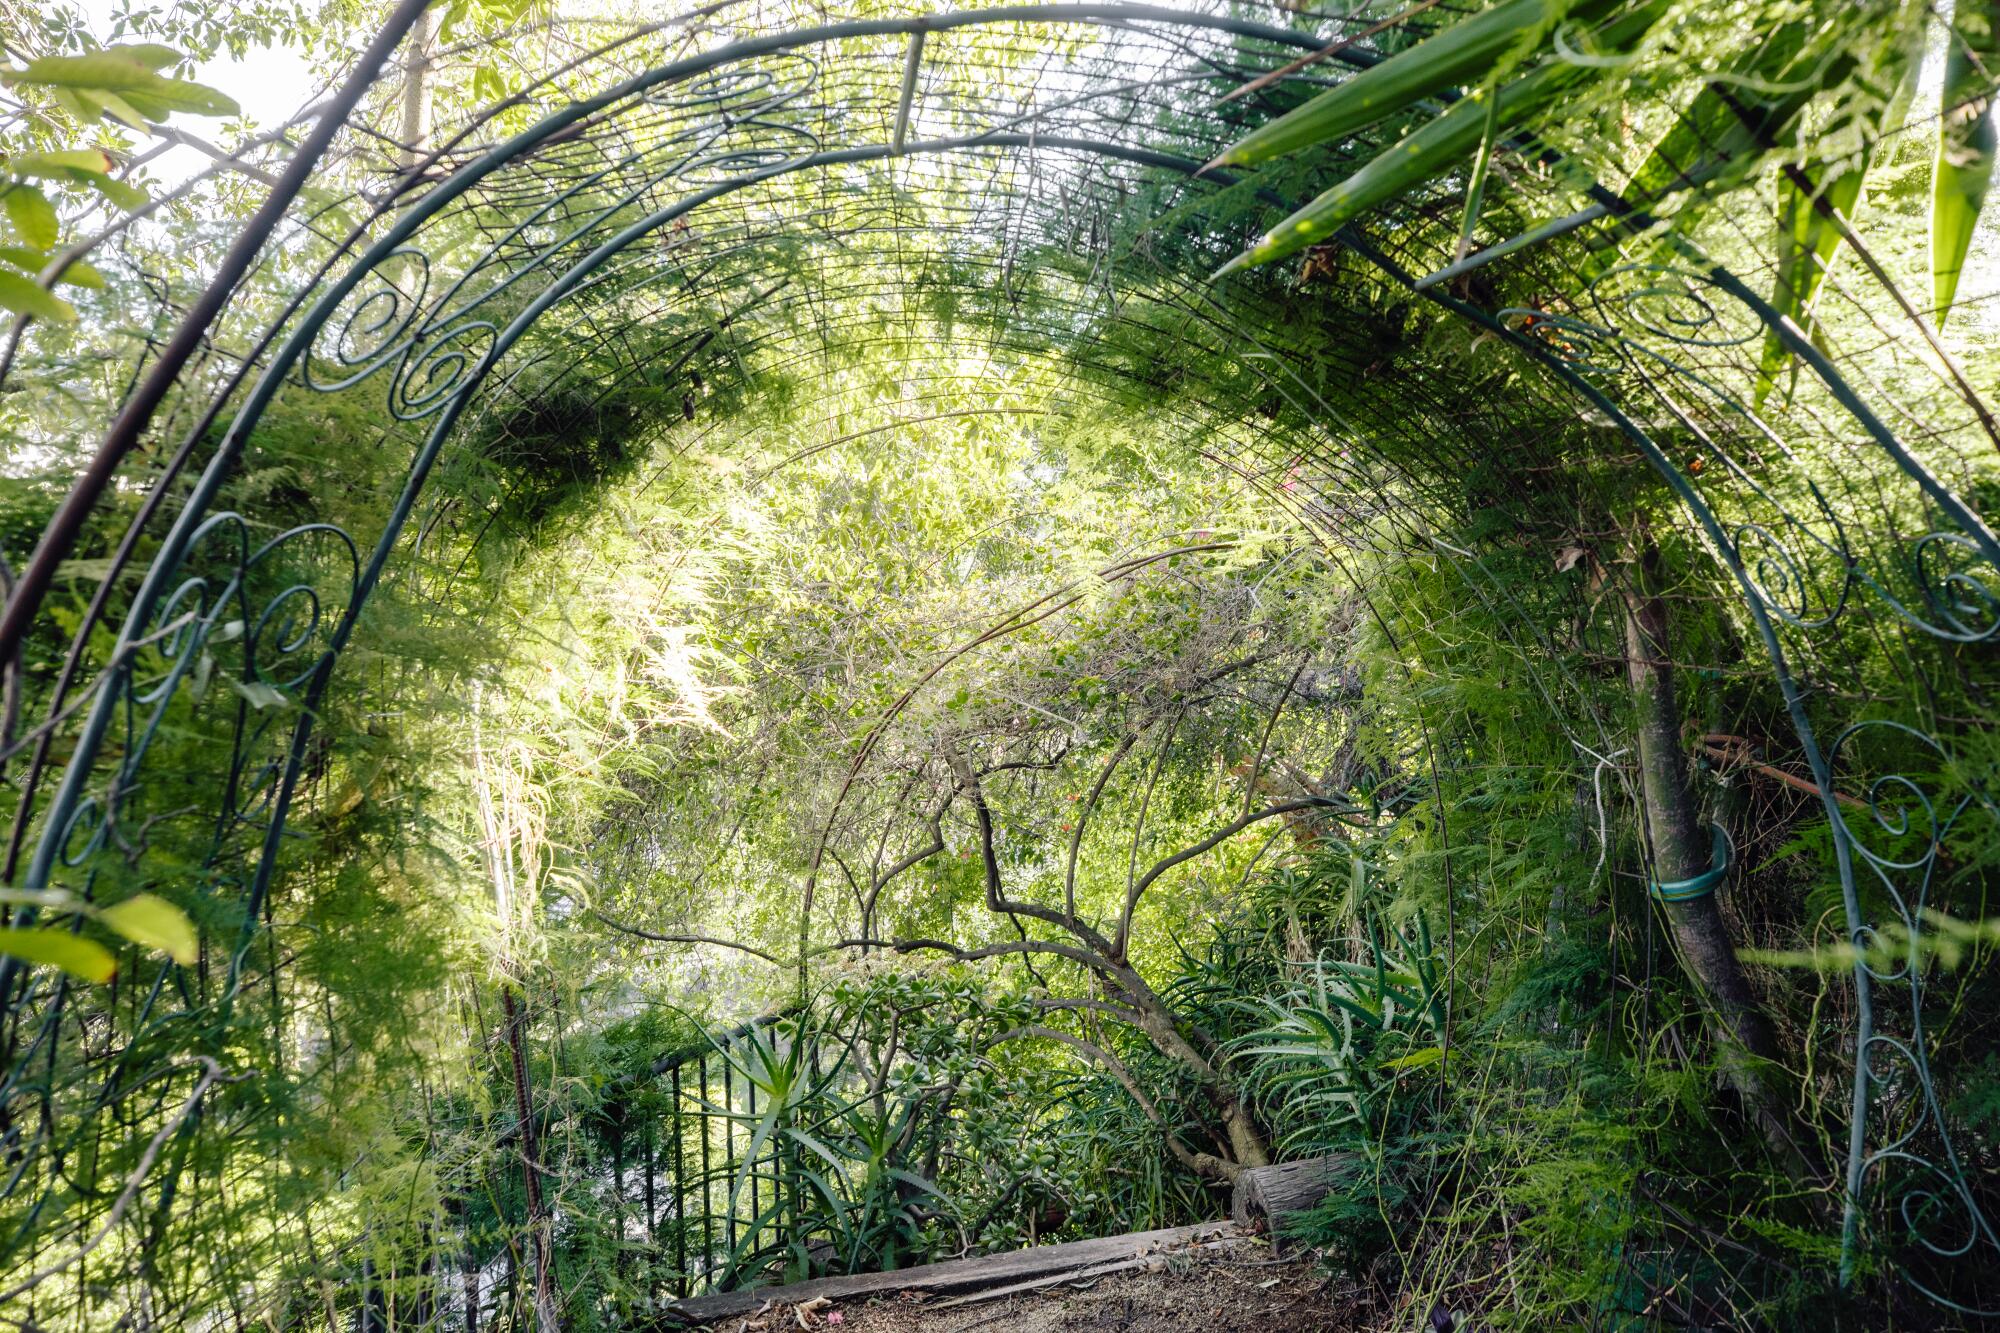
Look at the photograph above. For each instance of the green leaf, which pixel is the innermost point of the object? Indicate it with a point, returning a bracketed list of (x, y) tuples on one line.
[(117, 70), (58, 948), (151, 920), (1438, 146), (487, 84), (1427, 152), (84, 109), (119, 109), (150, 54), (260, 695), (30, 260), (1417, 1059), (33, 216), (1730, 129), (1462, 53), (122, 193), (60, 164), (24, 297), (1966, 139), (1807, 243)]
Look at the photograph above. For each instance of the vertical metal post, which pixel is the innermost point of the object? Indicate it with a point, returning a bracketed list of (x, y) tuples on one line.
[(728, 1150), (707, 1208), (680, 1197), (750, 1108)]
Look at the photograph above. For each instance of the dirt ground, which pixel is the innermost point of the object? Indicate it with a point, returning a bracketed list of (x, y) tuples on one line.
[(1225, 1293)]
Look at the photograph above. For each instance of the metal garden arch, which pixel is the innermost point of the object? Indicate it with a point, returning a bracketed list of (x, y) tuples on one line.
[(1639, 346)]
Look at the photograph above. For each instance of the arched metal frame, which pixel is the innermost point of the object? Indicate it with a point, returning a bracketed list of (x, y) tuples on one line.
[(1636, 335)]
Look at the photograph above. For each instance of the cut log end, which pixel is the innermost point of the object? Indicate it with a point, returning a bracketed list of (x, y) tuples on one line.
[(1269, 1197)]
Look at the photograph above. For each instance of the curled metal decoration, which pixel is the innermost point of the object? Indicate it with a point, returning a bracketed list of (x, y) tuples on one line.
[(1914, 1171), (284, 611), (435, 370), (1902, 1161), (1959, 594), (1805, 589), (262, 609), (375, 327)]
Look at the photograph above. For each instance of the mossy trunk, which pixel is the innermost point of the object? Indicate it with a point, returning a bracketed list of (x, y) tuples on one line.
[(1681, 850)]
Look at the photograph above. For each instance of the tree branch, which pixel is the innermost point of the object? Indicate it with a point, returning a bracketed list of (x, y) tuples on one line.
[(1222, 835), (996, 899), (770, 958), (1083, 817)]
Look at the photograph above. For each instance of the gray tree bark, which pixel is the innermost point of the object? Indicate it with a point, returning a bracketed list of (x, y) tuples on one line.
[(1743, 1033)]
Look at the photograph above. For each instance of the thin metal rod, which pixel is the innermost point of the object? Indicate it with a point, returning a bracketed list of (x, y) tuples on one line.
[(137, 414), (707, 1184), (912, 62), (1548, 231), (750, 1108), (728, 1149), (680, 1194)]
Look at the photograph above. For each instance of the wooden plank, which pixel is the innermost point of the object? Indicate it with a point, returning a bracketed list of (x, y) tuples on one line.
[(1047, 1262), (1089, 1274)]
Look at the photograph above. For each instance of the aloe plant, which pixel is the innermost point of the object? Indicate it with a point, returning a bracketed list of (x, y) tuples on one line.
[(1341, 1033), (830, 1148)]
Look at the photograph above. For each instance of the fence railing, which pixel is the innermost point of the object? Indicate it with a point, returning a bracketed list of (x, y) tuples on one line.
[(691, 1157)]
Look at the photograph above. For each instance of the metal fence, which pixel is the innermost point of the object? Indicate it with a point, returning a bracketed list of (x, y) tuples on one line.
[(690, 1159)]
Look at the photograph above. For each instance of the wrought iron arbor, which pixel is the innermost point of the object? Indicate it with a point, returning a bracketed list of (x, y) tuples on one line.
[(669, 182)]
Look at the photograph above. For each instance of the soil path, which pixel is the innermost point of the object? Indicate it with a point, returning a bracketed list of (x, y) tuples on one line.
[(1226, 1284)]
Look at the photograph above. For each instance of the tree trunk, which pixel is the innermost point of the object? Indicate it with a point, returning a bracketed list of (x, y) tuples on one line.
[(416, 126), (531, 1172), (1246, 1139), (1748, 1047), (1274, 1195)]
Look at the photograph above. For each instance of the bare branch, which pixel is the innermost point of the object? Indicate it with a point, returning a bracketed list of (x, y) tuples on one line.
[(1222, 835), (770, 958), (996, 899), (1083, 816), (1117, 1011), (1264, 744), (910, 862), (1001, 950)]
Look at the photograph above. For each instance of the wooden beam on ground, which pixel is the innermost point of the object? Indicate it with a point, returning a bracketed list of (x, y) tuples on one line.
[(1018, 1271)]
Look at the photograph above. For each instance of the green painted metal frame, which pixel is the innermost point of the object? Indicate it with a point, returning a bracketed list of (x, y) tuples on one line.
[(438, 361)]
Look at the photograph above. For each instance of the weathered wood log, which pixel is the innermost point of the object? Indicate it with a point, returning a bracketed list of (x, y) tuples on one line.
[(1017, 1270), (1270, 1196)]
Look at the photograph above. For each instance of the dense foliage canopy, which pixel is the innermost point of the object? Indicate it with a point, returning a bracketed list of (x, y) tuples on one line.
[(775, 640)]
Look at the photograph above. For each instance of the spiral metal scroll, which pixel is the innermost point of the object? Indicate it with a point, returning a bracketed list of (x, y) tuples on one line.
[(432, 344), (1798, 570)]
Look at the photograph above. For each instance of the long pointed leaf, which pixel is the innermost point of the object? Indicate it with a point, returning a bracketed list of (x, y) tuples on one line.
[(1966, 140), (1462, 53)]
